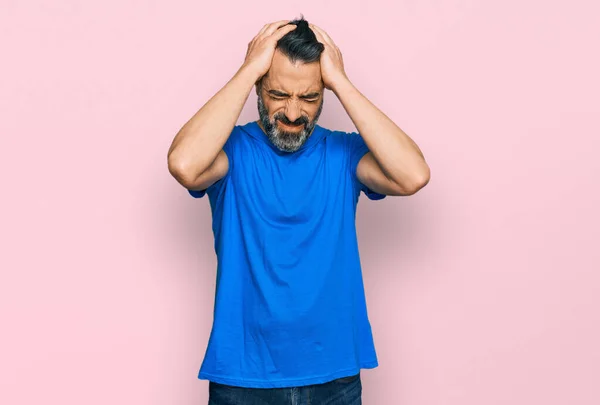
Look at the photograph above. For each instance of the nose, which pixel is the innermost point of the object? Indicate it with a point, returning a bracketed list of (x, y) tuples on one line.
[(292, 111)]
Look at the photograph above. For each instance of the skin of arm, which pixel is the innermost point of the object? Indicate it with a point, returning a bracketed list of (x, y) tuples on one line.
[(196, 158), (200, 141), (394, 164)]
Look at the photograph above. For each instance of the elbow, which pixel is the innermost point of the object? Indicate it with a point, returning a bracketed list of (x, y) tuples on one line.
[(424, 177), (180, 171), (417, 183), (422, 180)]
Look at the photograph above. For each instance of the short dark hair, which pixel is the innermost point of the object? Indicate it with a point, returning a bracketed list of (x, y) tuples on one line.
[(300, 44)]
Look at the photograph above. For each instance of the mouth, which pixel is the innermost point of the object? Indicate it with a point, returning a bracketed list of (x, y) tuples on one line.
[(290, 127)]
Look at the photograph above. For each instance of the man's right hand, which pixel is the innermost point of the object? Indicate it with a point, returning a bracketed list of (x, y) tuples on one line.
[(262, 48), (196, 157)]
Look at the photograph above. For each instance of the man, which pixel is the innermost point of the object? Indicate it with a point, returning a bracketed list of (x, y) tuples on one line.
[(290, 321)]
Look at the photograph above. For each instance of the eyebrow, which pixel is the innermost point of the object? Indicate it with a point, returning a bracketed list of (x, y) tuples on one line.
[(283, 94)]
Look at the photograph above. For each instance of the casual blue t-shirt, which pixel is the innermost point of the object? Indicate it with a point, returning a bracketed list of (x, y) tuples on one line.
[(290, 306)]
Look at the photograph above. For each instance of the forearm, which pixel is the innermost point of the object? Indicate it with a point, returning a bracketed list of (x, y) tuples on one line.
[(200, 140), (398, 156)]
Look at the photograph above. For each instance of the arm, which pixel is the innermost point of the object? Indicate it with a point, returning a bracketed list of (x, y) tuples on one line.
[(192, 157), (195, 157), (395, 164)]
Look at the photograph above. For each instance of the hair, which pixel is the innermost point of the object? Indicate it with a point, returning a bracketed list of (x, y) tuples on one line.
[(300, 44)]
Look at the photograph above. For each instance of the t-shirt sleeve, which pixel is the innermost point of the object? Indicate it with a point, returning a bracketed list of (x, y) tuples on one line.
[(357, 149), (228, 149)]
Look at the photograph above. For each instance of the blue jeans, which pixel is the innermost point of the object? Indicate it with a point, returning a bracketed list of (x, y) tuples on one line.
[(341, 391)]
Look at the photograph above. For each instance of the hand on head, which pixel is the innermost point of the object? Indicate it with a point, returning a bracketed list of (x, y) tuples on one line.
[(332, 64), (262, 47)]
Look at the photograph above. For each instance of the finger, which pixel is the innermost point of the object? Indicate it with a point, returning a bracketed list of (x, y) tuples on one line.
[(277, 35), (271, 30), (262, 29), (323, 35), (318, 34), (267, 25), (273, 27)]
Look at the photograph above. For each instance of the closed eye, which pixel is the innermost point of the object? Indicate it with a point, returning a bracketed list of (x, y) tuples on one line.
[(279, 98)]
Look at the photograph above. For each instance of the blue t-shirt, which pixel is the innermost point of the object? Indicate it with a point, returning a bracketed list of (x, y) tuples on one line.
[(290, 306)]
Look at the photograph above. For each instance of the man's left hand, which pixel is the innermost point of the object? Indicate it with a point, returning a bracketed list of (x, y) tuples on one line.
[(332, 64)]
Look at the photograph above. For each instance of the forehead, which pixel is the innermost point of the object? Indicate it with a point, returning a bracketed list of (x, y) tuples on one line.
[(293, 78)]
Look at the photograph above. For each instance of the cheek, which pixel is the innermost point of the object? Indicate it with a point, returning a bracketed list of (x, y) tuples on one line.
[(311, 109), (274, 108)]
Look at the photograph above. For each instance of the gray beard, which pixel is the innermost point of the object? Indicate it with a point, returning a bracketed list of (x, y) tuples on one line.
[(283, 140)]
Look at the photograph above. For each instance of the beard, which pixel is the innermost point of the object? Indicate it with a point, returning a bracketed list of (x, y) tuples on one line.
[(286, 141)]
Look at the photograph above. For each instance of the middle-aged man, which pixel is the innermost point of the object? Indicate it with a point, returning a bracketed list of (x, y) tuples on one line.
[(290, 320)]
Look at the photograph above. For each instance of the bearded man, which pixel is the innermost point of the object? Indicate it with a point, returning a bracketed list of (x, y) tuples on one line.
[(290, 319)]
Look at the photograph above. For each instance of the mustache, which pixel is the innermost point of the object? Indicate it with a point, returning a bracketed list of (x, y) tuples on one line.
[(284, 119)]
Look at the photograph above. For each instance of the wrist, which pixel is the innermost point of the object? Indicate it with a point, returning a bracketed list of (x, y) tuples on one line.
[(340, 84), (247, 72)]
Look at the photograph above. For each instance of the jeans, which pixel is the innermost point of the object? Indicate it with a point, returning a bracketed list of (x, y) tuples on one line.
[(341, 391)]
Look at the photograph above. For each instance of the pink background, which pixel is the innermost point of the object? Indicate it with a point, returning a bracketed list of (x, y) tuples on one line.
[(483, 288)]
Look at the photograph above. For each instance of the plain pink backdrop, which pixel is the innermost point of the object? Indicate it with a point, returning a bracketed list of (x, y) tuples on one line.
[(483, 288)]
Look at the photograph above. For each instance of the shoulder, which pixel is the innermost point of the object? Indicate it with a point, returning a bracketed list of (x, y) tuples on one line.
[(351, 143), (239, 135), (345, 137), (337, 138)]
